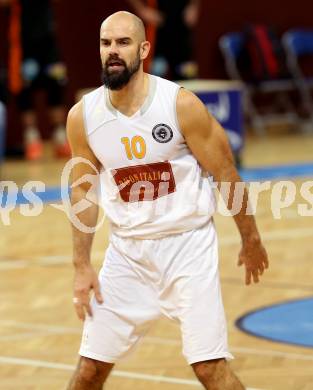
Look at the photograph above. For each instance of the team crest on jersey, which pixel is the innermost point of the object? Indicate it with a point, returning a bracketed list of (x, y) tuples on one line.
[(162, 133)]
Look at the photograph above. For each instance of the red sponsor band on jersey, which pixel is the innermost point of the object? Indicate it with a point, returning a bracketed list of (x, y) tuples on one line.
[(145, 182)]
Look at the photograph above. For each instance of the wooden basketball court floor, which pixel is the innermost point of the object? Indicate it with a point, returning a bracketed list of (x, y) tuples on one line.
[(40, 334)]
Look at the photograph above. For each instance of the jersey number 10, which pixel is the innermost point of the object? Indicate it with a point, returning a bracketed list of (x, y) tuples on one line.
[(136, 147)]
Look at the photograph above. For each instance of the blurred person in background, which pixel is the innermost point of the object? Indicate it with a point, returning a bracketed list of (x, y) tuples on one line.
[(169, 28), (3, 110), (35, 64), (2, 131)]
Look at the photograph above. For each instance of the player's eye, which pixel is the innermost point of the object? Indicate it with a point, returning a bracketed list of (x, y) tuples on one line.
[(104, 42), (124, 42)]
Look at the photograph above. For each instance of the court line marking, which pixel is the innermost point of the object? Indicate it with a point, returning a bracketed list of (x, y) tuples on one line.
[(270, 284), (8, 265), (283, 234), (22, 336), (54, 329), (117, 373), (287, 234)]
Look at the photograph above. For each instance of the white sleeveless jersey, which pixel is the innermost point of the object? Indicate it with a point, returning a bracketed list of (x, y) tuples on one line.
[(151, 184)]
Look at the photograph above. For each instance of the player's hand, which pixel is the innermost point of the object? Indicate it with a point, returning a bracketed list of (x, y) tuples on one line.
[(85, 279), (254, 257)]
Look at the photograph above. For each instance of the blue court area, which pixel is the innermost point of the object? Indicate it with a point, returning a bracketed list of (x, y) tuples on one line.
[(50, 195), (289, 322), (53, 194), (277, 172)]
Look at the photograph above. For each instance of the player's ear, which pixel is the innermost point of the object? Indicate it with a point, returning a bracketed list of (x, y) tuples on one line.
[(144, 50)]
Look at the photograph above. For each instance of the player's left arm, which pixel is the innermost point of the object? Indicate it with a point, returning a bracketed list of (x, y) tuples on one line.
[(208, 142)]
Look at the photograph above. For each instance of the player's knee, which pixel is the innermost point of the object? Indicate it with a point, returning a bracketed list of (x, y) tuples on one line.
[(93, 371), (211, 371)]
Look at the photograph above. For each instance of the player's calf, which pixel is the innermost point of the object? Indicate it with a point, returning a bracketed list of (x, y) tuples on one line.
[(90, 375), (217, 375)]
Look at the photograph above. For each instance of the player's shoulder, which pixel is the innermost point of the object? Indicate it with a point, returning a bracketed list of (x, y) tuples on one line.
[(92, 93), (191, 112), (75, 122), (185, 97), (188, 102), (164, 82), (76, 108)]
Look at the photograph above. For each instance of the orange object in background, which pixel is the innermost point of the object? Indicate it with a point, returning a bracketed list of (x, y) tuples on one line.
[(151, 36), (62, 151), (15, 49), (34, 150)]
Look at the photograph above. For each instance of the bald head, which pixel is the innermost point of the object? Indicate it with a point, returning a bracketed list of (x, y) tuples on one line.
[(126, 23), (123, 48)]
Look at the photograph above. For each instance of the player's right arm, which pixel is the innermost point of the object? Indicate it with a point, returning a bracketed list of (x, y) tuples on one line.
[(85, 278), (208, 142)]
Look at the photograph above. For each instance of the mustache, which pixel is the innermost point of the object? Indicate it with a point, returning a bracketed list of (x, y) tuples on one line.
[(114, 60)]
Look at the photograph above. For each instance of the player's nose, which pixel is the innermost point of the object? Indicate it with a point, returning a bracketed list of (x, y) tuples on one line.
[(113, 49)]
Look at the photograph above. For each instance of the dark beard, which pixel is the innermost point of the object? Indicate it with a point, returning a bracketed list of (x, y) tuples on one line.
[(117, 80)]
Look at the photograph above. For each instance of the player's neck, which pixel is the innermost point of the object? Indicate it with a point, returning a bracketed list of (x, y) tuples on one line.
[(130, 98)]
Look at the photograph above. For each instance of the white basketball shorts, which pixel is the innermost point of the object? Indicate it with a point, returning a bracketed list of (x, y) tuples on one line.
[(140, 280)]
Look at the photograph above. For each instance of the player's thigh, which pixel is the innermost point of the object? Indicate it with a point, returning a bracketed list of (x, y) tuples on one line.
[(202, 319), (193, 296), (128, 310)]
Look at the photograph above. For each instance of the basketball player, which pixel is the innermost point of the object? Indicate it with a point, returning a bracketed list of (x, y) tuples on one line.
[(153, 142)]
